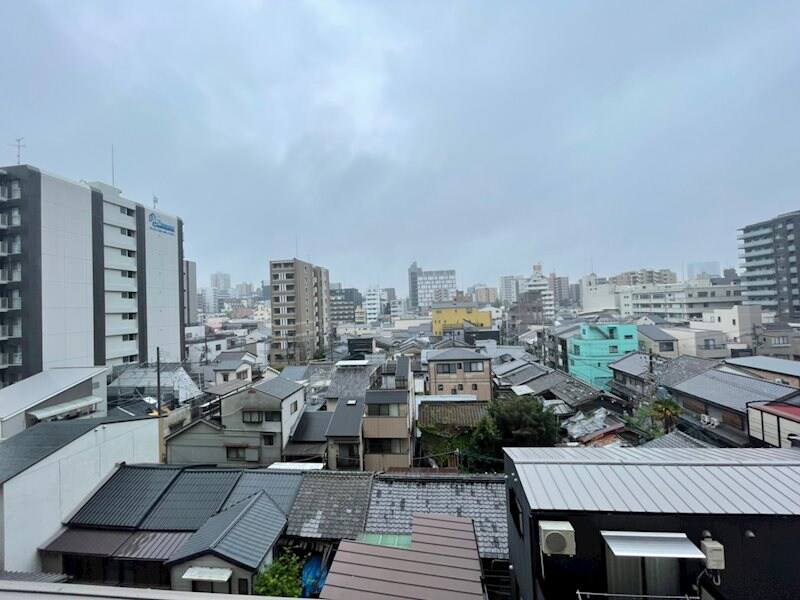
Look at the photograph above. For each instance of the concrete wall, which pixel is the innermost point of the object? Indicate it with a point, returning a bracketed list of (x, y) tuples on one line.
[(36, 501), (164, 274)]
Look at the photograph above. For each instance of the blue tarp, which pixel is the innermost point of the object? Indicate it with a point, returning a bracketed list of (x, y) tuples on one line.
[(313, 576)]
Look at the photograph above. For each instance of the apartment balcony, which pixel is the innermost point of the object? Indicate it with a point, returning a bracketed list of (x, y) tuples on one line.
[(759, 283), (757, 273), (16, 275), (3, 221), (4, 248), (4, 194), (756, 242), (769, 251), (5, 276), (10, 359), (5, 360), (759, 293), (5, 332), (753, 233), (759, 262)]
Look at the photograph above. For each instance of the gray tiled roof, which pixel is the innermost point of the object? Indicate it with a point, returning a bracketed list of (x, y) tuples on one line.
[(682, 368), (732, 390), (126, 497), (350, 381), (28, 447), (346, 420), (294, 373), (281, 486), (395, 498), (634, 363), (711, 481), (312, 427), (241, 534), (456, 354), (194, 496), (278, 387), (654, 333), (767, 363), (331, 505), (227, 365), (451, 414), (676, 439), (525, 375)]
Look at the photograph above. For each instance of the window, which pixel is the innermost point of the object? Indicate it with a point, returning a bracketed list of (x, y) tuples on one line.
[(475, 366), (440, 388), (734, 321), (127, 211), (224, 377), (272, 415), (128, 316), (576, 350), (383, 410), (218, 347), (128, 253), (474, 387), (384, 446), (781, 340), (130, 295), (241, 376), (268, 439), (446, 368), (666, 346), (613, 349), (612, 332), (252, 416), (453, 391), (129, 337), (128, 232), (628, 336), (128, 274), (244, 587), (460, 386), (709, 344), (203, 586), (293, 407), (235, 452)]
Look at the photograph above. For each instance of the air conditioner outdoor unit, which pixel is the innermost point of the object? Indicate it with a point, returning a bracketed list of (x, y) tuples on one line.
[(557, 537), (713, 422), (704, 419)]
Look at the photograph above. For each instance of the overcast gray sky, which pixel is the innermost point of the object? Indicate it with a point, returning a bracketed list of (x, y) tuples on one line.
[(480, 136)]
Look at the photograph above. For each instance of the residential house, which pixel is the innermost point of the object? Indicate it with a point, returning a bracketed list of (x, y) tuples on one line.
[(46, 470), (51, 395), (716, 401), (441, 559), (584, 521), (447, 425), (555, 349), (766, 367), (595, 347), (654, 340), (779, 340), (309, 442), (637, 376), (199, 529), (703, 343), (388, 429), (233, 366), (775, 424), (455, 314), (459, 370), (254, 426)]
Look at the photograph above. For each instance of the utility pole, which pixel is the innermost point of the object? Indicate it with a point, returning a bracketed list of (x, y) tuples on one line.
[(158, 379), (19, 145)]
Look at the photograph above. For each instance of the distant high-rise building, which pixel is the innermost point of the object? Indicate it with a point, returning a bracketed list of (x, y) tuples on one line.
[(769, 257), (427, 287), (696, 269), (644, 276), (374, 300), (343, 305), (244, 290), (88, 277), (485, 295), (336, 286), (390, 294), (300, 311), (220, 281), (575, 293), (190, 292), (559, 286)]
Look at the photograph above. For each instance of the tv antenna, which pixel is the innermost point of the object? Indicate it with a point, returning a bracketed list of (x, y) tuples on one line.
[(19, 145), (155, 201)]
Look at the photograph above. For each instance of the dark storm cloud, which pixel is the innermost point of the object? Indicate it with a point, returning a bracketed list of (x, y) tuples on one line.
[(477, 136)]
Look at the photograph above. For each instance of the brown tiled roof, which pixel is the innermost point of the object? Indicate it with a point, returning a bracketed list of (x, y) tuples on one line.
[(442, 563), (459, 414)]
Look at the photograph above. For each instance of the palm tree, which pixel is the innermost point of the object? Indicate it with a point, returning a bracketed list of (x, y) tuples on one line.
[(667, 411)]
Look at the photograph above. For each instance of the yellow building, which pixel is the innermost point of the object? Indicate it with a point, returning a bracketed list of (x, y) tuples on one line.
[(453, 314)]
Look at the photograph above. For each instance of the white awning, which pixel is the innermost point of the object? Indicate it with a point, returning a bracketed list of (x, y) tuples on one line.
[(208, 574), (651, 544), (64, 407)]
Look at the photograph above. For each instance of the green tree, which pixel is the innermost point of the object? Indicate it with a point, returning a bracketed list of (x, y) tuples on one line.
[(666, 411), (512, 421), (319, 354), (644, 419), (282, 577)]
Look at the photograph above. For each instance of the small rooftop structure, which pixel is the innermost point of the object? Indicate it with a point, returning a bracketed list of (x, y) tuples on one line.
[(38, 388)]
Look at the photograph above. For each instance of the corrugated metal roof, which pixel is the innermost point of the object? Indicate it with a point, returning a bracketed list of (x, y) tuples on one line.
[(126, 497), (241, 534), (650, 480), (442, 563), (312, 427), (395, 498), (676, 439), (655, 333), (767, 363), (91, 542), (459, 414), (282, 487), (37, 577), (330, 505), (152, 545), (37, 388), (732, 390), (346, 420), (278, 387), (194, 496)]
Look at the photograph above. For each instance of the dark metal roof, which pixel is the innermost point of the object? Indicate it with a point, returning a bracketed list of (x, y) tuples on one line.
[(241, 534), (403, 368), (152, 545), (451, 414), (312, 426), (278, 387), (733, 391), (387, 397), (125, 499), (91, 542), (28, 447), (37, 577), (676, 439), (442, 563), (655, 333), (767, 363), (525, 375), (294, 373), (281, 486), (456, 354), (350, 381), (193, 497), (346, 420), (330, 505), (482, 498)]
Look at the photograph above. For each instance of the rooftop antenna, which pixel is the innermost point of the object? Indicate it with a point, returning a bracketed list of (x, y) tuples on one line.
[(155, 201), (19, 145), (113, 181), (296, 251)]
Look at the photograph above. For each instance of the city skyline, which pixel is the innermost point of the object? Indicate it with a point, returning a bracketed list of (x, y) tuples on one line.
[(572, 135)]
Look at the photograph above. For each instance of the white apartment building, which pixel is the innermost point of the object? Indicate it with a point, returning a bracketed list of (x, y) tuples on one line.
[(90, 277), (428, 287), (374, 301), (677, 302), (597, 294), (541, 284)]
